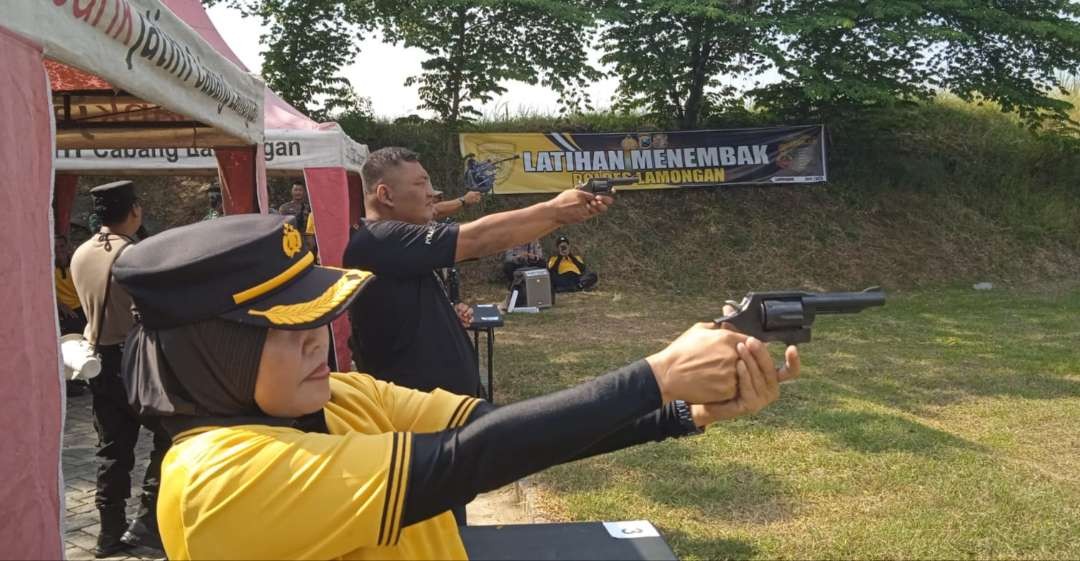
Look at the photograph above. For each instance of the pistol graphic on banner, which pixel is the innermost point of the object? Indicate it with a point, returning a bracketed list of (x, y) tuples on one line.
[(788, 316), (481, 175)]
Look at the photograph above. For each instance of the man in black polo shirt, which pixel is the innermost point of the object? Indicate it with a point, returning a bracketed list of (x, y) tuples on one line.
[(418, 340)]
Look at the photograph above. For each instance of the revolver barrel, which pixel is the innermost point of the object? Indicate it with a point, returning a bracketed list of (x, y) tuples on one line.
[(844, 302), (789, 316)]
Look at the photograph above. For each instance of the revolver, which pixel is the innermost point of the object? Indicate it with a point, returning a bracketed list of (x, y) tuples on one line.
[(606, 185), (787, 316)]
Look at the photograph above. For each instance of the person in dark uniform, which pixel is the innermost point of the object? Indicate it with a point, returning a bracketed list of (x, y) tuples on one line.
[(420, 342), (298, 205), (108, 313), (214, 202), (276, 457)]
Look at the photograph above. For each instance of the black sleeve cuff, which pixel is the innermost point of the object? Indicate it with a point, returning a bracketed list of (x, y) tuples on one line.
[(504, 444)]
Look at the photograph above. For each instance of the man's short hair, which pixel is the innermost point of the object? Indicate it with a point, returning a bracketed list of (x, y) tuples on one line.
[(382, 160)]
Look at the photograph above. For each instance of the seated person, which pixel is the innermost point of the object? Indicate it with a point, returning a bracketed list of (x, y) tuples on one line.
[(276, 457), (568, 272), (519, 257)]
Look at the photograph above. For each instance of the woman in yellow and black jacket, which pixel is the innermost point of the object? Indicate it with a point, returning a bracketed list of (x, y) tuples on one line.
[(276, 457)]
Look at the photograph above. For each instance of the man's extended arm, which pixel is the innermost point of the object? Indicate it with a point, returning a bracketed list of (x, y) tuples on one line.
[(497, 232), (446, 208)]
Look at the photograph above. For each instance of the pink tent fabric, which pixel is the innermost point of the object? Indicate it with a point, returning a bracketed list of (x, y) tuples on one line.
[(331, 185), (30, 388), (31, 392), (328, 188), (279, 114)]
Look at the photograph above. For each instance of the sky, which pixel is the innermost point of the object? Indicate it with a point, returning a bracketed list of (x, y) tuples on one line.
[(380, 70)]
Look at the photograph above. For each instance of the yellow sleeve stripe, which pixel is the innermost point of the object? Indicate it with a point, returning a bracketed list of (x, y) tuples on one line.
[(403, 475), (462, 412), (393, 507), (387, 520), (468, 410), (457, 411)]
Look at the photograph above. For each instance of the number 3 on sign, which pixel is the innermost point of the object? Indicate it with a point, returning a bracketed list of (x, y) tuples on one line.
[(631, 529)]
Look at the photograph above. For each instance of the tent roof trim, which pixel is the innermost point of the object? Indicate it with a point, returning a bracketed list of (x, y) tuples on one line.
[(154, 54)]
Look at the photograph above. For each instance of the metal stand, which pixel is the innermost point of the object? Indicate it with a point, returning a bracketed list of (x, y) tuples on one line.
[(490, 357)]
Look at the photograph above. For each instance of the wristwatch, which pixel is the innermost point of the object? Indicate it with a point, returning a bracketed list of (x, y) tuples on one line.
[(686, 418), (462, 201)]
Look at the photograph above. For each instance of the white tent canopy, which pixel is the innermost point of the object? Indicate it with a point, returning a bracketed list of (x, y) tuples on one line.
[(293, 142), (154, 55)]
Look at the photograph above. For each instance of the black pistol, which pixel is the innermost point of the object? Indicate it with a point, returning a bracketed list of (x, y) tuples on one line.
[(606, 185), (787, 316)]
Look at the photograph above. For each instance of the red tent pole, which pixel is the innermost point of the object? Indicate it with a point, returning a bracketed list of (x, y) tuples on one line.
[(356, 199), (63, 200), (328, 192), (237, 170)]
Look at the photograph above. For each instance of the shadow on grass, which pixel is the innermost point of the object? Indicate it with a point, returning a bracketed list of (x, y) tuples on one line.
[(684, 545), (870, 432), (920, 391), (932, 350), (681, 476)]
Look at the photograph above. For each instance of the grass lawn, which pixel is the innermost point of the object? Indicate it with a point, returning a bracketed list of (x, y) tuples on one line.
[(944, 425)]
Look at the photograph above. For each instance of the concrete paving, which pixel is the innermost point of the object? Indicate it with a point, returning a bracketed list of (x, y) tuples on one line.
[(81, 521)]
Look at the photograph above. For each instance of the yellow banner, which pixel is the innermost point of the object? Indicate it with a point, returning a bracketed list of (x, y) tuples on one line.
[(508, 163)]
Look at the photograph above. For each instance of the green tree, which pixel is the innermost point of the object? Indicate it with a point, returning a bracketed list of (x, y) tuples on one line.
[(687, 58), (476, 45), (308, 43), (678, 59), (852, 53)]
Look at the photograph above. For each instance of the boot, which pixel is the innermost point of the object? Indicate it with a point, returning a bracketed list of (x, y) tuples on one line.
[(113, 522), (143, 531)]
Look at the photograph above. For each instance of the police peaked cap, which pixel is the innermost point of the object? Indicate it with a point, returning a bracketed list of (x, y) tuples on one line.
[(117, 191), (250, 268)]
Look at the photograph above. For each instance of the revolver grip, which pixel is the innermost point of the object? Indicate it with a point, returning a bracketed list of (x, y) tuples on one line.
[(787, 336), (748, 324)]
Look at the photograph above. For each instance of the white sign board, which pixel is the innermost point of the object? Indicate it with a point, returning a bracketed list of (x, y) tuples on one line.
[(284, 150)]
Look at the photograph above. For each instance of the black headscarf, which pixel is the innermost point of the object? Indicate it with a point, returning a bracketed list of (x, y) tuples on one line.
[(201, 374)]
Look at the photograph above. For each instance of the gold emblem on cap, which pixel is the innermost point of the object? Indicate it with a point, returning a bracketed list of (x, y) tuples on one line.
[(291, 242), (304, 312)]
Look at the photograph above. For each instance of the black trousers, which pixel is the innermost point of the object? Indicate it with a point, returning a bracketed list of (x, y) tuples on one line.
[(73, 325), (118, 433), (571, 282)]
